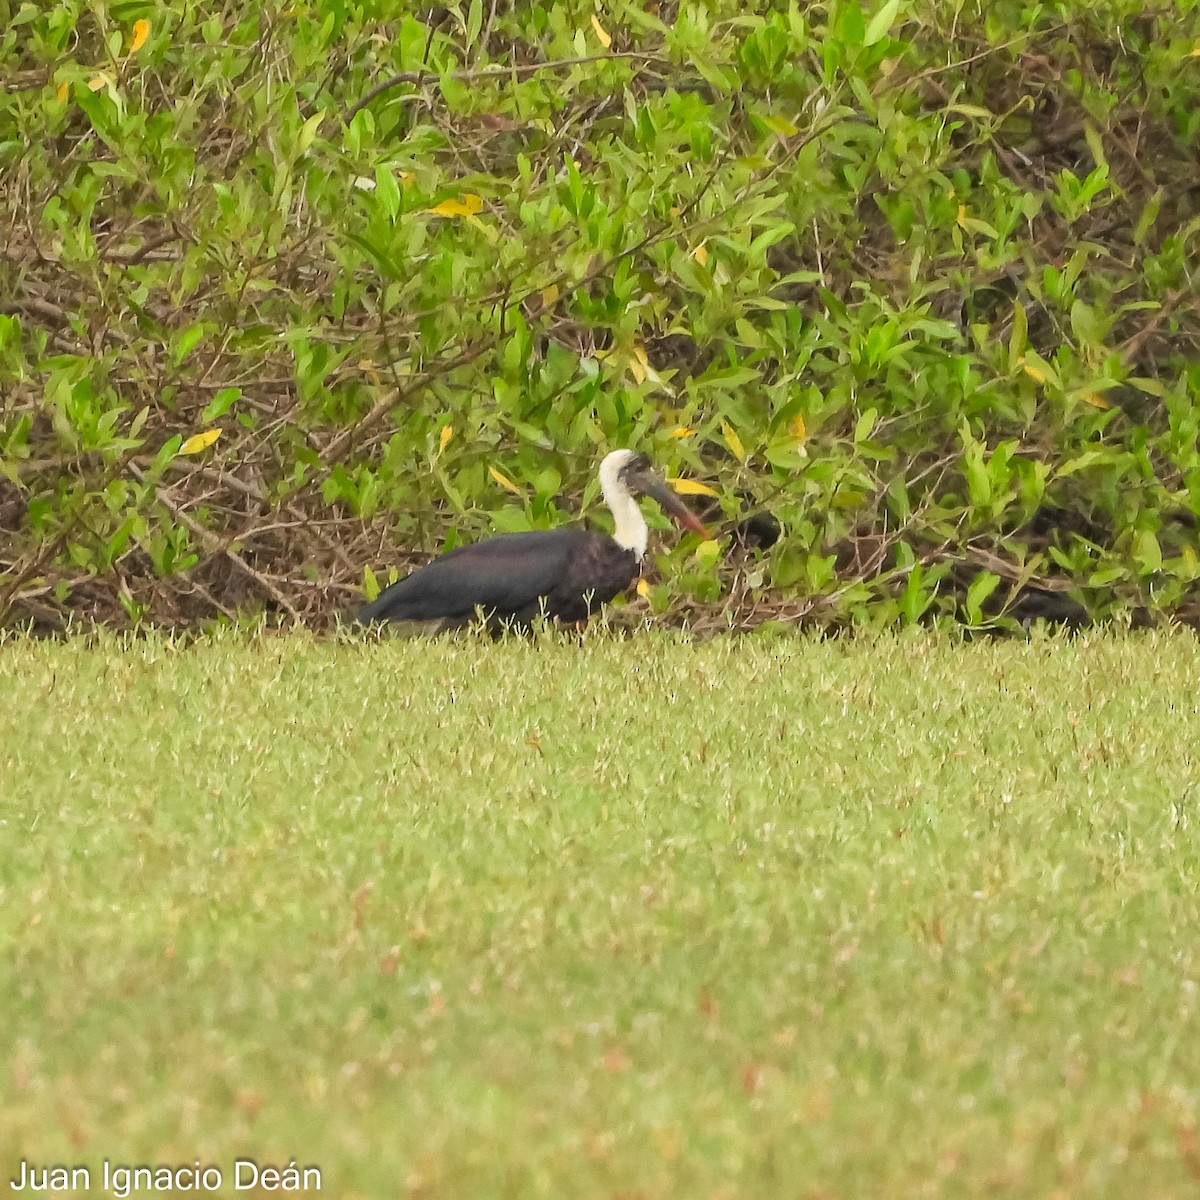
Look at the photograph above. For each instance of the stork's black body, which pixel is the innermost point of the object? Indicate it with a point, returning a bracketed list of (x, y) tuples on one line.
[(562, 573), (565, 574)]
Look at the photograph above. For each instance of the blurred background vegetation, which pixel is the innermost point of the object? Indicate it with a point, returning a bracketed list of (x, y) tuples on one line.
[(292, 294)]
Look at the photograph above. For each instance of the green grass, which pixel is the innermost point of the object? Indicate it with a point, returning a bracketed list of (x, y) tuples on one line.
[(747, 918)]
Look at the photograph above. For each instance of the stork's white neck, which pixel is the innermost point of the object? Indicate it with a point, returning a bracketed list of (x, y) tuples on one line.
[(630, 531)]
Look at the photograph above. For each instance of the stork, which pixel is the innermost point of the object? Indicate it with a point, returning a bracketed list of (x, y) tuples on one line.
[(562, 573)]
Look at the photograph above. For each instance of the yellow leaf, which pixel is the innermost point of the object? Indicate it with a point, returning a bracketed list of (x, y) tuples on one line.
[(631, 356), (676, 211), (700, 254), (199, 441), (733, 441), (962, 216), (796, 428), (141, 31), (1040, 371), (781, 126), (487, 231), (504, 481), (445, 436), (62, 92), (643, 588), (605, 40), (681, 432), (689, 487), (468, 206), (550, 295), (96, 83), (1195, 53), (1094, 399), (638, 362)]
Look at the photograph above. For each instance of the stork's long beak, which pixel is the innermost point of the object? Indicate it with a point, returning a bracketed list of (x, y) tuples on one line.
[(672, 505)]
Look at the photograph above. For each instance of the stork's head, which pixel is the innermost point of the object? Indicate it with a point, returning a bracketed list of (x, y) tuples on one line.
[(628, 473)]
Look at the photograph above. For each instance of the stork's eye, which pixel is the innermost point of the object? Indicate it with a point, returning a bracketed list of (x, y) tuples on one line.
[(639, 462)]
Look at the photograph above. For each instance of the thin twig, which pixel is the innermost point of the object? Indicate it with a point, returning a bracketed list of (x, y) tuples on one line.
[(422, 77), (1131, 345), (215, 545), (929, 72)]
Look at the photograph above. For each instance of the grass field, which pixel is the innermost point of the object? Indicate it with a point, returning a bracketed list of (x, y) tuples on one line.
[(741, 918)]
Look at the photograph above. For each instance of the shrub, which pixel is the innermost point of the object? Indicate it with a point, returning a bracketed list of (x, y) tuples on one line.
[(294, 292)]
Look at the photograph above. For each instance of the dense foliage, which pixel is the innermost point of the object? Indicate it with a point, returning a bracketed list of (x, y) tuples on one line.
[(293, 291)]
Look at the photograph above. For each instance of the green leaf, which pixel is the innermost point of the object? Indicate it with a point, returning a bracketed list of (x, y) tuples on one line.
[(387, 192), (1019, 337), (982, 586), (914, 600), (1150, 386), (220, 404), (971, 110), (1084, 325), (787, 567), (881, 23), (851, 25), (1147, 552), (864, 425), (979, 480), (474, 22), (166, 452), (1087, 459), (187, 341), (309, 131), (1149, 215), (758, 248), (376, 254), (1092, 137)]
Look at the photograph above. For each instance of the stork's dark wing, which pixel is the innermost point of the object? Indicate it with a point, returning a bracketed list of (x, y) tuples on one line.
[(505, 574)]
